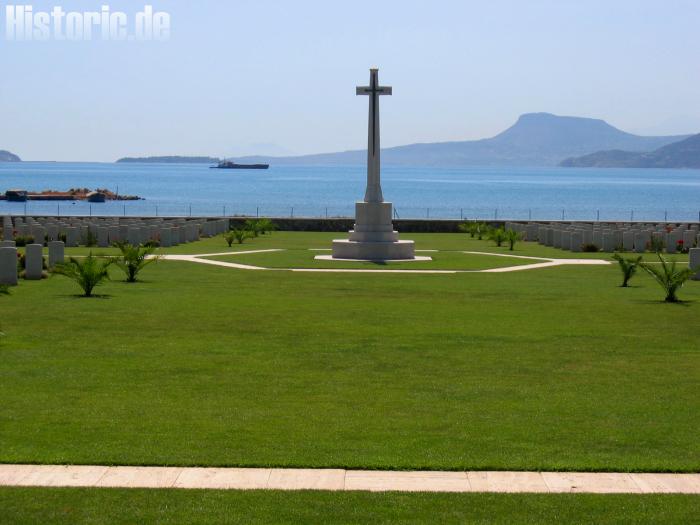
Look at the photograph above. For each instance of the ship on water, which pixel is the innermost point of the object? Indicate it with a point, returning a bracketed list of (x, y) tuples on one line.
[(230, 165)]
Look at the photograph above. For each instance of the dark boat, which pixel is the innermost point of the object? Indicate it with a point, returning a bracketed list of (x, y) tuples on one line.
[(229, 165), (96, 196), (17, 195)]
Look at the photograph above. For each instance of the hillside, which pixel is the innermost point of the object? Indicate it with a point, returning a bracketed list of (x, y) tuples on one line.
[(170, 160), (536, 139), (681, 154), (6, 156)]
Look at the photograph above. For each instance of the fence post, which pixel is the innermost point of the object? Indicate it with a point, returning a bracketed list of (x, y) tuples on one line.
[(90, 210), (461, 214), (124, 210), (495, 214), (224, 210), (427, 213), (632, 216), (257, 211), (156, 211), (190, 210), (58, 210), (562, 215), (598, 216), (665, 215), (292, 214), (326, 212)]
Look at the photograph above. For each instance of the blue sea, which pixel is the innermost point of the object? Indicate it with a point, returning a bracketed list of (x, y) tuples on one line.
[(485, 193)]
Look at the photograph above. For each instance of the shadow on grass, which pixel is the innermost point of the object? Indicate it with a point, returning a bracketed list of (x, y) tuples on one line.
[(680, 302), (93, 296)]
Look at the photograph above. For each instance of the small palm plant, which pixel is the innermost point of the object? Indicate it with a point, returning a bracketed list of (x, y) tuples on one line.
[(238, 235), (266, 226), (88, 272), (497, 235), (134, 258), (468, 227), (669, 277), (628, 267), (512, 237)]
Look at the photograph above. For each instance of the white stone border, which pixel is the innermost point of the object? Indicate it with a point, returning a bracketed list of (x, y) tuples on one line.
[(345, 480), (546, 263)]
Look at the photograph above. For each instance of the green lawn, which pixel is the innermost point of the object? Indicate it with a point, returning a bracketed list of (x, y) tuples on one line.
[(443, 260), (547, 369), (97, 506)]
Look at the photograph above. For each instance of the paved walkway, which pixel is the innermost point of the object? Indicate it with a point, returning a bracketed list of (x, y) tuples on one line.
[(543, 263), (339, 479)]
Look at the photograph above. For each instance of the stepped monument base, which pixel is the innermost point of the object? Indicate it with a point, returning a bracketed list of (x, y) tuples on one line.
[(373, 238)]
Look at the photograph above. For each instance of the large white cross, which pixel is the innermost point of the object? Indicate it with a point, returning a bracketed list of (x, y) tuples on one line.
[(374, 90)]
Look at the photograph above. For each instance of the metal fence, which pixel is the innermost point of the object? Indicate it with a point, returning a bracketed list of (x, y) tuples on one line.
[(199, 209)]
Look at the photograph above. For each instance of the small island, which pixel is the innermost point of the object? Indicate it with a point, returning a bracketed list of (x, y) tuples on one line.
[(73, 194)]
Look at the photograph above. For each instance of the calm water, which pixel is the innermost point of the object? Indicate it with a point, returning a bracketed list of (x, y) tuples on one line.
[(518, 193)]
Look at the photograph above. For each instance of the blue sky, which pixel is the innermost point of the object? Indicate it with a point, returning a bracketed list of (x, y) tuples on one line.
[(270, 76)]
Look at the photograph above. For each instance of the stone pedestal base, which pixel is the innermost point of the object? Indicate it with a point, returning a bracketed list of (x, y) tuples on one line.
[(373, 237)]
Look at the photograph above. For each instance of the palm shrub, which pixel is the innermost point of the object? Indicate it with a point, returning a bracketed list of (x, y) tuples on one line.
[(469, 228), (87, 273), (266, 226), (238, 235), (628, 267), (497, 235), (512, 237), (669, 277), (133, 258)]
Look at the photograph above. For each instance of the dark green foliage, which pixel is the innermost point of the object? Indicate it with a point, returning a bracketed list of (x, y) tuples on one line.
[(512, 237), (134, 258), (628, 266), (90, 239), (238, 235), (88, 272), (656, 244), (669, 277), (259, 226), (590, 248), (24, 240), (497, 235)]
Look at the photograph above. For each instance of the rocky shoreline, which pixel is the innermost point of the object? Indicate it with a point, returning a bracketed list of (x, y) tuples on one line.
[(73, 194)]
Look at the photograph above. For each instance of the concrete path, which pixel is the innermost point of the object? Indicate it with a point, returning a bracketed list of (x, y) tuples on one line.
[(543, 263), (339, 479)]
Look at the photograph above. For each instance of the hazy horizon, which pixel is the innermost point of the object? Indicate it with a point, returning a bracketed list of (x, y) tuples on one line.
[(267, 77)]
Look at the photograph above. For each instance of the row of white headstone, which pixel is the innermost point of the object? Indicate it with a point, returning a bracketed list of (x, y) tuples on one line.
[(609, 237), (106, 231), (614, 237)]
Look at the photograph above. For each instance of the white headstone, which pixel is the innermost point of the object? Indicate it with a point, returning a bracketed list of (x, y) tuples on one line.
[(56, 253), (694, 263), (33, 262), (8, 266)]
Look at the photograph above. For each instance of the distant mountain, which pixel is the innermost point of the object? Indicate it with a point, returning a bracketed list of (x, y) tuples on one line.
[(536, 139), (171, 160), (681, 154), (6, 156)]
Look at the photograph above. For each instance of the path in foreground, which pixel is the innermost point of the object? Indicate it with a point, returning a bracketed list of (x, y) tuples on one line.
[(345, 480)]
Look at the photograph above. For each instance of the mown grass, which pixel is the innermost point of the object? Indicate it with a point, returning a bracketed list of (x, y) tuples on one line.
[(115, 506), (444, 260), (556, 369)]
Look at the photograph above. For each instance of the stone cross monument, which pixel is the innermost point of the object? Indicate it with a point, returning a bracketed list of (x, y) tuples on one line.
[(374, 237), (374, 188)]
